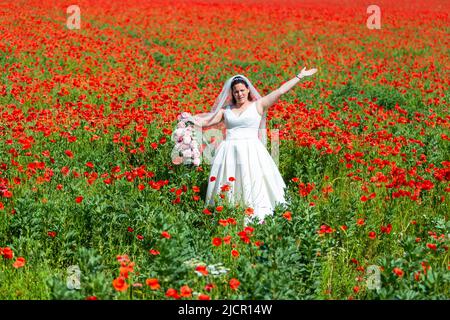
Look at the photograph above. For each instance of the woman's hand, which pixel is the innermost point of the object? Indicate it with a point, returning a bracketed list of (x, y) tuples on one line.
[(307, 73)]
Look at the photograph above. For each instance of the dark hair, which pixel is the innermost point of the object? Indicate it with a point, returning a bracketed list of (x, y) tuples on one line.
[(235, 81)]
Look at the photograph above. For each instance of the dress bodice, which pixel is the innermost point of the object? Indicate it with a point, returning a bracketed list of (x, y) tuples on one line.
[(242, 126)]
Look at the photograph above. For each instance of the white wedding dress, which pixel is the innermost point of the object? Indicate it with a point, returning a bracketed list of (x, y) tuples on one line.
[(258, 183)]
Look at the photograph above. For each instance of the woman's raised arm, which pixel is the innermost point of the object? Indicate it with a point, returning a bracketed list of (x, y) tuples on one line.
[(199, 122), (270, 99)]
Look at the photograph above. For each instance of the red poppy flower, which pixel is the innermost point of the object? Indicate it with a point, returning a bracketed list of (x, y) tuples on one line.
[(304, 190), (123, 259), (120, 284), (209, 286), (234, 284), (258, 243), (7, 194), (177, 200), (207, 212), (417, 275), (244, 237), (212, 179), (235, 253), (153, 283), (231, 179), (216, 242), (287, 215), (249, 211), (227, 239), (154, 252), (431, 246), (69, 153), (79, 199), (249, 230), (51, 234), (172, 293), (165, 234), (202, 270), (325, 229), (398, 272), (185, 291), (125, 269), (116, 169), (425, 267), (327, 189), (7, 253), (219, 208), (372, 235), (202, 296), (19, 263), (386, 229)]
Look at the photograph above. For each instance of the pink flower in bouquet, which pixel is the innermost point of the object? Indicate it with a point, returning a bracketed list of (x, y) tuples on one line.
[(177, 160), (185, 143), (185, 146), (187, 139), (196, 161), (187, 153), (179, 133)]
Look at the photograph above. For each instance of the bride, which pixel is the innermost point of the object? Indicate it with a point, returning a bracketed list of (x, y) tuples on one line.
[(243, 172)]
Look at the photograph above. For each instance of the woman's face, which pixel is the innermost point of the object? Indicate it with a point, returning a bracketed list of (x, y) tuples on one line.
[(240, 93)]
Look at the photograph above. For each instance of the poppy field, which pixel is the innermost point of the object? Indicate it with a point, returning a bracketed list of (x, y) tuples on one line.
[(92, 206)]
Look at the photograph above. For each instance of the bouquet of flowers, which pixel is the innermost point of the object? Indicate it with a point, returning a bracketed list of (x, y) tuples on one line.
[(186, 147)]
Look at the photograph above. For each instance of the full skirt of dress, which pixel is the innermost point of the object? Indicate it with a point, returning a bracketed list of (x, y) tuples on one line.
[(246, 174)]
